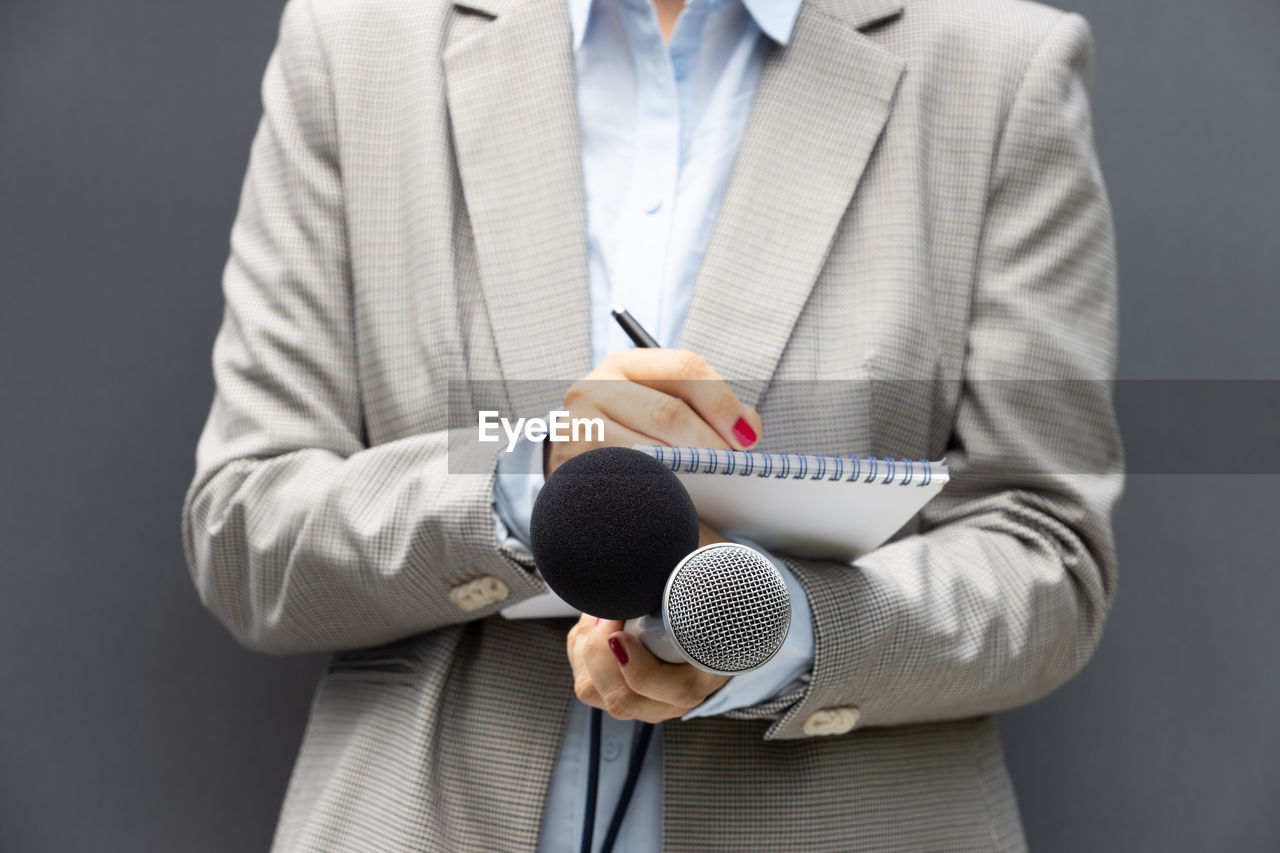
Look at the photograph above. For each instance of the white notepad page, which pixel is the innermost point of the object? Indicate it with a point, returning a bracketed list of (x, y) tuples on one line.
[(832, 507)]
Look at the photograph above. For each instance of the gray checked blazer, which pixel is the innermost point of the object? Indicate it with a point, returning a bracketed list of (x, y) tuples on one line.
[(916, 226)]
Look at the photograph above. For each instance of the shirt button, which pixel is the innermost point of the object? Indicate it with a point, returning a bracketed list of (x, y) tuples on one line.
[(653, 206), (609, 749)]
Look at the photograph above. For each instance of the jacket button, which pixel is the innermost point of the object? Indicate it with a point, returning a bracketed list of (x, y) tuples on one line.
[(832, 721), (492, 589), (478, 593), (463, 597)]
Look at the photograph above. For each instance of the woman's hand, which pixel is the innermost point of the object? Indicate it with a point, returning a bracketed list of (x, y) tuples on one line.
[(613, 671), (656, 396)]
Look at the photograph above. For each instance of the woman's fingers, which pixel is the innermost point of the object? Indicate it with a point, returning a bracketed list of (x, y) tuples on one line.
[(603, 670), (687, 376), (613, 671), (648, 411), (676, 685), (583, 686)]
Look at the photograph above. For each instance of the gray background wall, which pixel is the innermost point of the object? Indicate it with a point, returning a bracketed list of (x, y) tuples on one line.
[(129, 720)]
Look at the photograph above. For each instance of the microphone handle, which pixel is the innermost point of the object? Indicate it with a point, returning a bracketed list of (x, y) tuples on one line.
[(652, 631)]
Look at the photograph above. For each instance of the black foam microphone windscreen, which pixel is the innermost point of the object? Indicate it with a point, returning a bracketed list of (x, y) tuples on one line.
[(607, 529)]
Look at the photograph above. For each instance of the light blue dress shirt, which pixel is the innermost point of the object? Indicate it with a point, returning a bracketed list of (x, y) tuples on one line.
[(660, 128)]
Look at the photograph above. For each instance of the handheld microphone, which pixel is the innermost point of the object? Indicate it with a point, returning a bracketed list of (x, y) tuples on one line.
[(725, 609), (615, 534)]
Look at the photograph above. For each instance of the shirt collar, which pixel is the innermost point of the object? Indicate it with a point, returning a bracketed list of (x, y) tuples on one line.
[(775, 18)]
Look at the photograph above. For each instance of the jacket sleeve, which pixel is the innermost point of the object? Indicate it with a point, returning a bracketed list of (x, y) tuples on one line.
[(1002, 595), (298, 536)]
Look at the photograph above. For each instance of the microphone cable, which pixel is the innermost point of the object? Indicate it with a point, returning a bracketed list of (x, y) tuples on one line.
[(639, 748), (593, 783), (635, 761)]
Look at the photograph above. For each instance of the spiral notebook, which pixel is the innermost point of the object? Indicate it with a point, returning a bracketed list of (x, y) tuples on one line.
[(834, 507)]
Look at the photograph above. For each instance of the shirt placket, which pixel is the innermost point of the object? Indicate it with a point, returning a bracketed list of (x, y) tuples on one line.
[(644, 225)]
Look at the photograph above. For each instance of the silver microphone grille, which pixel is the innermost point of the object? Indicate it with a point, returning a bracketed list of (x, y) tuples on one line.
[(728, 608)]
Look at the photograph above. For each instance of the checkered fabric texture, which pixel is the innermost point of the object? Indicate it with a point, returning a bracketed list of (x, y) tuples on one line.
[(917, 197)]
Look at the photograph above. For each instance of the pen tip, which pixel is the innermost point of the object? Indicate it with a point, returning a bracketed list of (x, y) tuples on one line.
[(617, 309)]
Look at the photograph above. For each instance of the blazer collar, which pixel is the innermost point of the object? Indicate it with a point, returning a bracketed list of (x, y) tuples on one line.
[(858, 14), (775, 18), (510, 89), (821, 105)]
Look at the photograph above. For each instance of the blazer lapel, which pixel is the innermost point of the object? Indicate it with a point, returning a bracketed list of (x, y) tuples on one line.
[(822, 102), (511, 96)]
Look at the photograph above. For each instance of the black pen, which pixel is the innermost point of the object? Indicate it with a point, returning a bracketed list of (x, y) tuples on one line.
[(634, 330), (742, 430)]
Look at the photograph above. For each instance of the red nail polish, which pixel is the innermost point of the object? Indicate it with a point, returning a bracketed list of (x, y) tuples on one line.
[(618, 651), (744, 433)]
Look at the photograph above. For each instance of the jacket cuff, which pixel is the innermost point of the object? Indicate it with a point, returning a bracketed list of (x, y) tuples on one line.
[(783, 677), (497, 571), (827, 706)]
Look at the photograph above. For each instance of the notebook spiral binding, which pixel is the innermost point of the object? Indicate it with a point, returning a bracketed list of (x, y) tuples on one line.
[(797, 466)]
